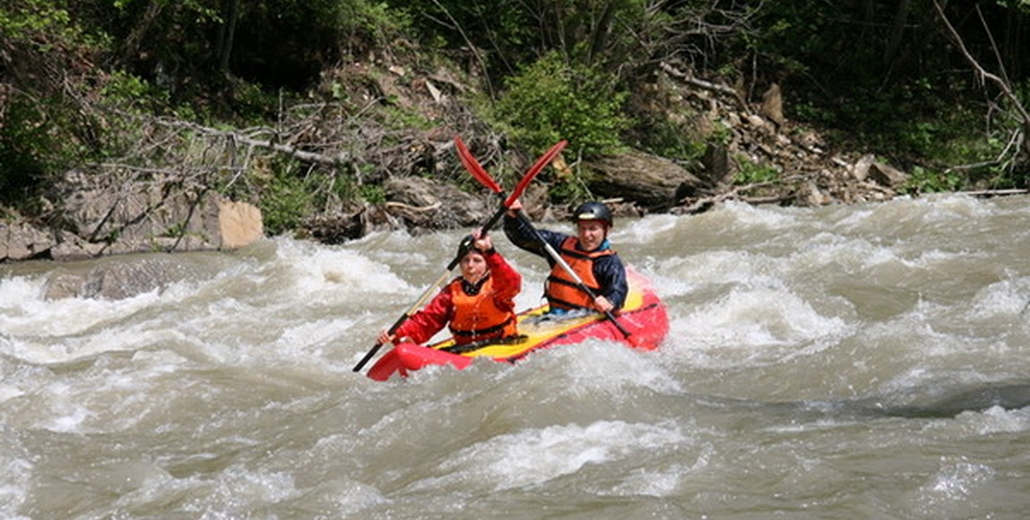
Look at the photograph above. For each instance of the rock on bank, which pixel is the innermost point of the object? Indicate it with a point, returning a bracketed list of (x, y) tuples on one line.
[(157, 215)]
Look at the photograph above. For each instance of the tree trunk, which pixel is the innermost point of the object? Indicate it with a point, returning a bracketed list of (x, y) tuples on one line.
[(132, 43), (600, 32), (890, 51), (226, 33)]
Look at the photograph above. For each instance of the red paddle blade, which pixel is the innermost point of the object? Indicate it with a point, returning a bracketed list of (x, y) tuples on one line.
[(473, 166), (543, 161)]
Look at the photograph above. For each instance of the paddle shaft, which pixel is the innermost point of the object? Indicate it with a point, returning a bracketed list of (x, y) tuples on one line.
[(568, 269), (465, 246), (407, 314)]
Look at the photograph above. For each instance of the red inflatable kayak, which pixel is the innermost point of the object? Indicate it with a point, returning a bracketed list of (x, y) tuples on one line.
[(643, 316)]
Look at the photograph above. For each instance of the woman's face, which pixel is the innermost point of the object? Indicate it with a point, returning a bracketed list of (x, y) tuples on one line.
[(473, 266)]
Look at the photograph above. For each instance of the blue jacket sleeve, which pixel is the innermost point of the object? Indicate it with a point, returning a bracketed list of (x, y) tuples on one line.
[(520, 234), (611, 275)]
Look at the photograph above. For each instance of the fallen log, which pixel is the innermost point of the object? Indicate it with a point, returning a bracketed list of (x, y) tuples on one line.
[(650, 181)]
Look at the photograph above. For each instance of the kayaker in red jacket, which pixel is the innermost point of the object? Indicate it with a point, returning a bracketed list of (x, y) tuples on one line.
[(478, 305), (588, 253)]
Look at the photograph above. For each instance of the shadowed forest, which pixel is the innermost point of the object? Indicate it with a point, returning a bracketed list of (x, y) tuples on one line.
[(306, 107)]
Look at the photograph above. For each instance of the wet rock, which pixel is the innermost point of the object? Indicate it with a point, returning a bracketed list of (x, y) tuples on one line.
[(115, 280), (886, 175), (104, 215), (338, 228)]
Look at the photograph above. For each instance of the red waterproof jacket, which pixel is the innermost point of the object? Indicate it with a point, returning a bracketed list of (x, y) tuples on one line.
[(487, 314)]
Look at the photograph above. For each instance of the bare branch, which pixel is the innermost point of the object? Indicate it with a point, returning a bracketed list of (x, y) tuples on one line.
[(1002, 83)]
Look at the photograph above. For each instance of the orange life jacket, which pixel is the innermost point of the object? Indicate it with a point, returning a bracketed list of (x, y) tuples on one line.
[(477, 317), (562, 290)]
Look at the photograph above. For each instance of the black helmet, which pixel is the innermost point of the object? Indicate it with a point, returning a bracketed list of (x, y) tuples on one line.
[(592, 211), (467, 244)]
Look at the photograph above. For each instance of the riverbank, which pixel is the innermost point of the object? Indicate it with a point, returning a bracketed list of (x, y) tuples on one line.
[(755, 154)]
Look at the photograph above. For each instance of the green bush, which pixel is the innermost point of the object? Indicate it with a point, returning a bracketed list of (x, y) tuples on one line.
[(284, 201), (753, 173), (41, 130), (551, 100), (927, 181)]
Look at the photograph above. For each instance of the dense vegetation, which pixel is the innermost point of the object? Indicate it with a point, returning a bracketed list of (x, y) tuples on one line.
[(939, 88)]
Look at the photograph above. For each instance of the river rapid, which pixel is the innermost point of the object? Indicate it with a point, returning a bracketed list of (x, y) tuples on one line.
[(840, 362)]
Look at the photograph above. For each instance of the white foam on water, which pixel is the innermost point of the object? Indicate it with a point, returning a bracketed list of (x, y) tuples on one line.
[(958, 206), (25, 313), (594, 368), (104, 340), (669, 286), (536, 456), (652, 483), (929, 212), (243, 492), (1003, 299), (950, 492), (313, 337), (174, 374), (720, 267), (992, 421), (748, 215), (756, 324), (16, 468), (66, 411), (636, 232), (324, 272)]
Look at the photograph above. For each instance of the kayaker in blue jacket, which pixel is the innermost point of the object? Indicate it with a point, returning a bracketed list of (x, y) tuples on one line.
[(588, 253)]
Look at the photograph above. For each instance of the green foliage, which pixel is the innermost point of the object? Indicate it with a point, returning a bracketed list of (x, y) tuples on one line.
[(24, 152), (25, 21), (374, 18), (399, 117), (284, 201), (752, 173), (668, 129), (616, 37), (1021, 5), (67, 68), (42, 127), (922, 180), (673, 141), (127, 89), (373, 194), (570, 189), (176, 230), (551, 100), (510, 29), (721, 135)]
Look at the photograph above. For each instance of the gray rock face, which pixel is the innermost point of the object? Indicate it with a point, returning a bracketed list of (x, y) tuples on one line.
[(102, 216)]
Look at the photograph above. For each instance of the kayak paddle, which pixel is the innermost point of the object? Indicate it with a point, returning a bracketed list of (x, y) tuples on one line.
[(462, 249), (480, 174), (466, 245)]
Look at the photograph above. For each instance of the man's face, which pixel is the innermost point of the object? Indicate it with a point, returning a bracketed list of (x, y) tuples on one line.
[(591, 233)]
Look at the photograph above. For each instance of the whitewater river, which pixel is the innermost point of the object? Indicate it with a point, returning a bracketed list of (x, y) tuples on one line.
[(862, 362)]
